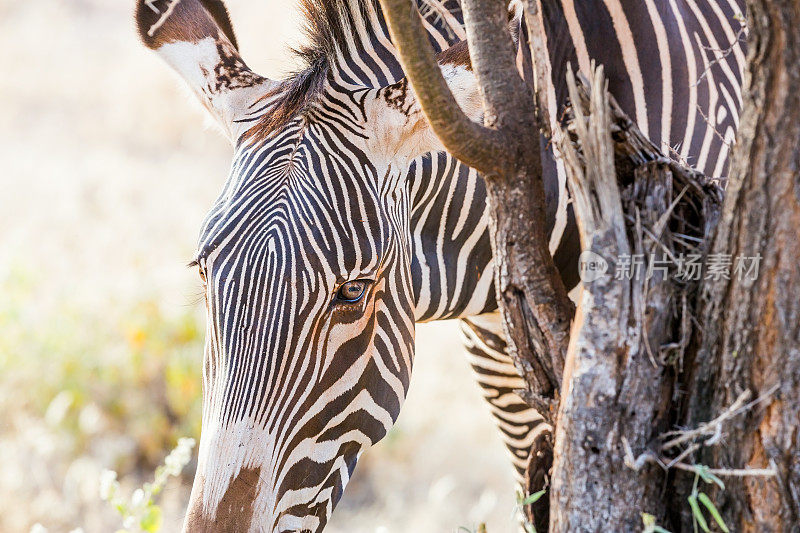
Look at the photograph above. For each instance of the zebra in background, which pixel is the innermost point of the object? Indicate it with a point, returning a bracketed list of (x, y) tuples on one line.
[(342, 224)]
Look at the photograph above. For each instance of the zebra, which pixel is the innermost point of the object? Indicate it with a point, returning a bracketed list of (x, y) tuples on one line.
[(342, 224)]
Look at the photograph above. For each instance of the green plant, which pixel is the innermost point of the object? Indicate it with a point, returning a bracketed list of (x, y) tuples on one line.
[(127, 372), (112, 382), (523, 502), (650, 525), (696, 498), (140, 513)]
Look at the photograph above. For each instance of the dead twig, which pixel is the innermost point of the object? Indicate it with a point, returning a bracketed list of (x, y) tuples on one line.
[(164, 16), (728, 472), (714, 427), (636, 464)]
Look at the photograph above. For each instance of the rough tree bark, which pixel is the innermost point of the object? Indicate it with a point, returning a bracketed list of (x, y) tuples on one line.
[(746, 344), (620, 369), (751, 329)]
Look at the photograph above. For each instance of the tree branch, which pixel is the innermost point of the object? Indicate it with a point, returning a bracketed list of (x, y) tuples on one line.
[(493, 59), (536, 310), (466, 140), (541, 71)]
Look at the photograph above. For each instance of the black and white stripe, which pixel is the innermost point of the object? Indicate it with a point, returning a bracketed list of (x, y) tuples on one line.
[(329, 190)]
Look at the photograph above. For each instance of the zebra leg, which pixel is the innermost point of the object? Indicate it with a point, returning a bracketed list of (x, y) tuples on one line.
[(520, 425)]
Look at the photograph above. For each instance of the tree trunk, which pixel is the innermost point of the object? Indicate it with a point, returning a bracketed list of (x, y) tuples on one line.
[(620, 371), (751, 328)]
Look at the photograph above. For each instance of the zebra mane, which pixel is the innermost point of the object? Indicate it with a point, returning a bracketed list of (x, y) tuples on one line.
[(330, 24), (332, 28)]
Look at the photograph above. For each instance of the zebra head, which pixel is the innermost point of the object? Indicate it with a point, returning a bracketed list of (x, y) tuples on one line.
[(305, 256)]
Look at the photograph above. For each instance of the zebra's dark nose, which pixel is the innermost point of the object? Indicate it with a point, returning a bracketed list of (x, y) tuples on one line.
[(234, 513)]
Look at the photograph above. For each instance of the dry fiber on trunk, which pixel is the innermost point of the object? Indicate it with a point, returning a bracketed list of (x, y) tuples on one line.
[(628, 336)]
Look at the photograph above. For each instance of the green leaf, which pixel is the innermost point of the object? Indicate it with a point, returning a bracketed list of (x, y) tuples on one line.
[(533, 498), (698, 514), (705, 500), (151, 521), (650, 525), (708, 477)]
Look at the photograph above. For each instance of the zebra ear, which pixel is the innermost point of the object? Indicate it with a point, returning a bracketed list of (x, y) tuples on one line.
[(399, 129), (195, 37)]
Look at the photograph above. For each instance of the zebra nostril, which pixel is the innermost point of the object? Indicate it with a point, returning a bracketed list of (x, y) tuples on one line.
[(352, 291)]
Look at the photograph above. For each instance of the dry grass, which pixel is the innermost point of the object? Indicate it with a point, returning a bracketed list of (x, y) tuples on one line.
[(106, 174)]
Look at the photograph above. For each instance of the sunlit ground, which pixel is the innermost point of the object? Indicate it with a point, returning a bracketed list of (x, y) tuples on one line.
[(106, 171)]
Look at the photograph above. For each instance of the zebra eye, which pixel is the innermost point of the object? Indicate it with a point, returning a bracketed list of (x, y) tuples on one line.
[(352, 291), (196, 264)]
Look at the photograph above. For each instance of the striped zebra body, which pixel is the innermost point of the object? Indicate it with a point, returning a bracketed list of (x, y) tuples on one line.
[(335, 233)]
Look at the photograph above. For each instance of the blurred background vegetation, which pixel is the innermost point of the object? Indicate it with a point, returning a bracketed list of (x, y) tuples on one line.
[(106, 170)]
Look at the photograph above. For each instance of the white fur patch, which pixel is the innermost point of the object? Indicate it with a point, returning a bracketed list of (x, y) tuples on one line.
[(197, 63)]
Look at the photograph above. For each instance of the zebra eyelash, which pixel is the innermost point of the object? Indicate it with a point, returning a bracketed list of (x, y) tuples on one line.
[(196, 264)]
